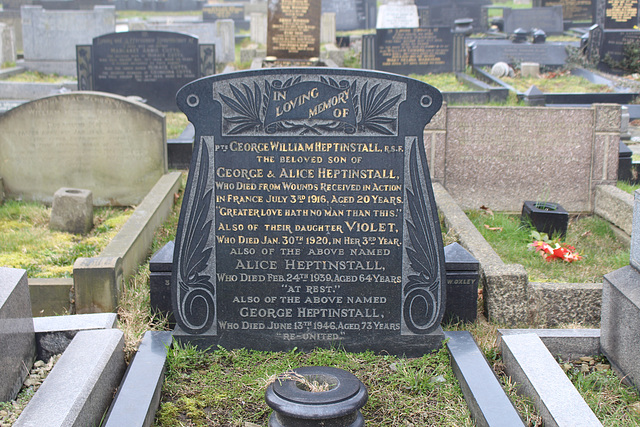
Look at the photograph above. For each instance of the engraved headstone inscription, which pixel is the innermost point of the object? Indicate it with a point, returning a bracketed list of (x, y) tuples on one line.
[(573, 11), (618, 14), (293, 28), (153, 65), (213, 12), (419, 50), (308, 218)]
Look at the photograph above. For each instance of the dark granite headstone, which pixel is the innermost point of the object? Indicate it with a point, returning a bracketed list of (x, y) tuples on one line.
[(419, 50), (573, 11), (488, 52), (351, 14), (618, 14), (444, 13), (613, 44), (308, 217), (293, 29), (462, 284), (153, 65), (213, 12), (548, 19), (160, 266)]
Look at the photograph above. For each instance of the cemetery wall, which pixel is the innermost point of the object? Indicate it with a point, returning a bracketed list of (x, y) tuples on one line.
[(524, 153)]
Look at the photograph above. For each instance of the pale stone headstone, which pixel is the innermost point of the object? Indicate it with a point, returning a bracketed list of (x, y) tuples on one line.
[(7, 44), (258, 28), (105, 143), (50, 36), (398, 15), (328, 28), (225, 44)]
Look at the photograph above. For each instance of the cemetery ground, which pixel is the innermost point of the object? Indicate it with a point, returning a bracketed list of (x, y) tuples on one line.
[(226, 387)]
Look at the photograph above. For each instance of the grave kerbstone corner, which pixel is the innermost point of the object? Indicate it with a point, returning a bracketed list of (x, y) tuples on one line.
[(97, 282), (16, 328)]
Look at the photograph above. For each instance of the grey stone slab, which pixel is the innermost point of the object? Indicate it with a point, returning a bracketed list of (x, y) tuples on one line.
[(615, 205), (529, 363), (620, 322), (51, 296), (487, 401), (17, 338), (635, 235), (138, 397), (80, 387), (566, 343), (54, 333)]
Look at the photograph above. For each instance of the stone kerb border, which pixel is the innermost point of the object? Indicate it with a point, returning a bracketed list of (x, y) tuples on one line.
[(97, 281), (508, 295)]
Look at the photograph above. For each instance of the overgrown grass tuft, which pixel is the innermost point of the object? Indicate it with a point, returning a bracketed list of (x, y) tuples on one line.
[(28, 243), (226, 387), (591, 236), (625, 186)]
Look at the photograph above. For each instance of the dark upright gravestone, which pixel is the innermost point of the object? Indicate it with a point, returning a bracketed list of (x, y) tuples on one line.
[(573, 11), (293, 29), (308, 218), (437, 13), (616, 28), (419, 50), (151, 64), (547, 19), (351, 14)]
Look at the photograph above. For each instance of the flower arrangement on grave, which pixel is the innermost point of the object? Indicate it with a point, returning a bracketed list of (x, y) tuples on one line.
[(553, 249)]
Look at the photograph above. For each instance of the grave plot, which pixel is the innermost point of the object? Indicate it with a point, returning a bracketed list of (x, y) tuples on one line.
[(576, 86), (28, 242)]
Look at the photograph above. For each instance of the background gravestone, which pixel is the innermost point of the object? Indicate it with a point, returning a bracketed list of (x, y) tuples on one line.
[(397, 15), (101, 142), (352, 14), (293, 29), (153, 65), (49, 37), (308, 218), (419, 50), (547, 19), (573, 11), (616, 26), (437, 13)]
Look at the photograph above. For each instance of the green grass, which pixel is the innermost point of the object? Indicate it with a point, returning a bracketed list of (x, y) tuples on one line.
[(445, 82), (615, 404), (556, 83), (591, 236), (38, 77), (226, 387), (625, 186), (28, 243), (176, 122)]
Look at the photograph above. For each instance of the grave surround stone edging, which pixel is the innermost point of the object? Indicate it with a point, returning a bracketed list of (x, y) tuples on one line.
[(509, 296), (131, 245)]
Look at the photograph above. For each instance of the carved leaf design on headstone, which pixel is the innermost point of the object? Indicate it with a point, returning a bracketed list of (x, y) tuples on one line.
[(196, 304), (247, 105), (421, 293), (373, 106)]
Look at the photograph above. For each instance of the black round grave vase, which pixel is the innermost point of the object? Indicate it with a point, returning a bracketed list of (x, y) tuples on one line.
[(295, 406)]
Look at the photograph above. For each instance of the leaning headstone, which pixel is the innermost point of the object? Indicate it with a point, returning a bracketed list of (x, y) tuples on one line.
[(50, 37), (293, 30), (72, 211), (308, 218), (419, 50), (18, 347), (105, 143), (153, 65)]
